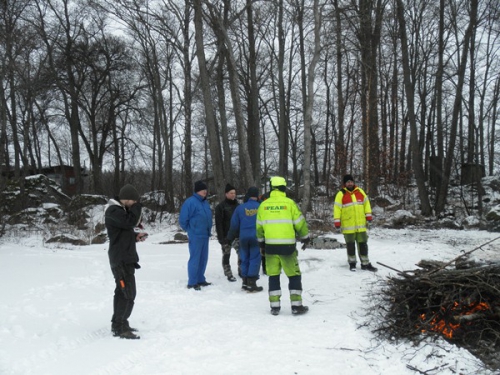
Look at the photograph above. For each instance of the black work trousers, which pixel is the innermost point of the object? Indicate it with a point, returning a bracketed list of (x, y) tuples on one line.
[(125, 292)]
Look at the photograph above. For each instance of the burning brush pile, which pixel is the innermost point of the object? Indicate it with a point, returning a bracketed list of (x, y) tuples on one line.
[(460, 304)]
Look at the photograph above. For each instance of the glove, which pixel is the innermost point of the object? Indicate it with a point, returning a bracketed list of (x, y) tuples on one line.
[(337, 224), (305, 242), (141, 237), (369, 217), (262, 246)]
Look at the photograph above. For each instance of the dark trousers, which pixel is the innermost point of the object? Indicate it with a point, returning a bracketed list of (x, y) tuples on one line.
[(125, 292)]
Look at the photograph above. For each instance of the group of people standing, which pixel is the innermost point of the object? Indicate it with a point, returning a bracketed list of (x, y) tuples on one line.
[(261, 228)]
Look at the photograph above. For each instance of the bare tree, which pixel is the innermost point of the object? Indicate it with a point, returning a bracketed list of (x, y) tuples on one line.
[(417, 155), (211, 122), (311, 76), (443, 191)]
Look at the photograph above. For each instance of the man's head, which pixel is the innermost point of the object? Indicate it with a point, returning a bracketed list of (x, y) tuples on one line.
[(201, 188), (230, 192), (128, 195), (279, 183), (253, 192), (348, 181)]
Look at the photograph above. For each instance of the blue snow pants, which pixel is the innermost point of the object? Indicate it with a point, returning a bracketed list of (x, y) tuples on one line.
[(198, 258), (250, 257)]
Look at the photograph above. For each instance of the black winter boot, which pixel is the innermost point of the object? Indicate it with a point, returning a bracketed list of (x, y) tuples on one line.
[(352, 267), (252, 285), (244, 284), (129, 335), (124, 331), (369, 267), (299, 310), (128, 327)]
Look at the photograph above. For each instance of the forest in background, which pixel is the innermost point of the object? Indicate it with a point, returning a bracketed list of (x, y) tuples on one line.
[(398, 92)]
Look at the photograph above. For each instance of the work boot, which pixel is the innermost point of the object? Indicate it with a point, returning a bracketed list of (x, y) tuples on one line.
[(129, 335), (299, 310), (275, 311), (205, 283), (195, 287), (127, 327), (244, 284), (231, 278), (123, 331), (252, 285), (369, 267), (352, 267)]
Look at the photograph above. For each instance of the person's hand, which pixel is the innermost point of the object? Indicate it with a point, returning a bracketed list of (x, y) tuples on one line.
[(236, 244), (305, 242), (337, 224), (369, 217), (262, 246), (141, 237)]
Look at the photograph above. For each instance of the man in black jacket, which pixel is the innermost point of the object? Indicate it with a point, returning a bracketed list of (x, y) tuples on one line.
[(223, 213), (122, 216)]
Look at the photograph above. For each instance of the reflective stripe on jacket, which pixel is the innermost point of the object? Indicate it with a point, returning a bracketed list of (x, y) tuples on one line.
[(278, 219), (351, 208)]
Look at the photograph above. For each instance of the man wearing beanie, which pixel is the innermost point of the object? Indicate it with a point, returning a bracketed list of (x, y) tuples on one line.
[(351, 212), (243, 226), (196, 219), (122, 217), (223, 213)]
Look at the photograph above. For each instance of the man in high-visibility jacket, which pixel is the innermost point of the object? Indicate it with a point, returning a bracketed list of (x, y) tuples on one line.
[(351, 212), (278, 220)]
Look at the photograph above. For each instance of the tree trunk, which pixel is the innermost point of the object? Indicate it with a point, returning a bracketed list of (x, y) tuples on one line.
[(188, 173), (253, 136), (283, 129), (417, 155), (443, 191), (211, 124), (311, 76)]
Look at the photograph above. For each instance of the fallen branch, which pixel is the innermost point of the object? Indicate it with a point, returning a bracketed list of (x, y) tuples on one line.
[(461, 256)]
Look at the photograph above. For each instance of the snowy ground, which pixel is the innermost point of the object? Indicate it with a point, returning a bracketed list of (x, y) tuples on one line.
[(56, 306)]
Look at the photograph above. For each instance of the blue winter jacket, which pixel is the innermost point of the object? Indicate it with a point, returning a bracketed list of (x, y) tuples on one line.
[(196, 217), (243, 221)]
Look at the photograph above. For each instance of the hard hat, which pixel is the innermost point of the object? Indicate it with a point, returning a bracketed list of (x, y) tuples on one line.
[(278, 181)]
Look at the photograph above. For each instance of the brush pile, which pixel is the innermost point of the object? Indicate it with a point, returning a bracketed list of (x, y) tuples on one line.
[(462, 305)]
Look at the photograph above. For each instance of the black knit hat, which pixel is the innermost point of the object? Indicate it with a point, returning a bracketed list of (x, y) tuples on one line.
[(229, 187), (253, 192), (348, 177), (128, 192), (199, 185)]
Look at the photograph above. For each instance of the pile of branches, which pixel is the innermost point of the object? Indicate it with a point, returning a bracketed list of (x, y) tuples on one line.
[(462, 305)]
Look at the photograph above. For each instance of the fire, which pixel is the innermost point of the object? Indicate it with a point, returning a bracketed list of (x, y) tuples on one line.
[(458, 314)]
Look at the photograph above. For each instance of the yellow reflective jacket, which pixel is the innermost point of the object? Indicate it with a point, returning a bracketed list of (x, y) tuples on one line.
[(278, 219), (352, 209)]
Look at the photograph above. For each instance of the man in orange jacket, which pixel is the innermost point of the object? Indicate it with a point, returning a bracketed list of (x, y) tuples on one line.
[(351, 212)]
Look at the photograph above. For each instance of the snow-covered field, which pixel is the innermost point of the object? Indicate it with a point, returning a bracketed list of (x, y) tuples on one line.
[(56, 307)]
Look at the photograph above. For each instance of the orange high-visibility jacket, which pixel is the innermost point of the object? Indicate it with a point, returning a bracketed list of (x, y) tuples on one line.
[(352, 209)]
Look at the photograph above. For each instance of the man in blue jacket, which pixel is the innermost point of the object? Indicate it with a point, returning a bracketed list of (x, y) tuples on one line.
[(243, 226), (196, 219)]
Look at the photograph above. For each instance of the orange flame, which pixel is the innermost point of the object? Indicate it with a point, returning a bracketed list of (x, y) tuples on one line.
[(446, 328)]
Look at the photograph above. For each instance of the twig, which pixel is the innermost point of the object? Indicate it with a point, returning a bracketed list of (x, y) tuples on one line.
[(425, 372), (460, 256), (402, 273)]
